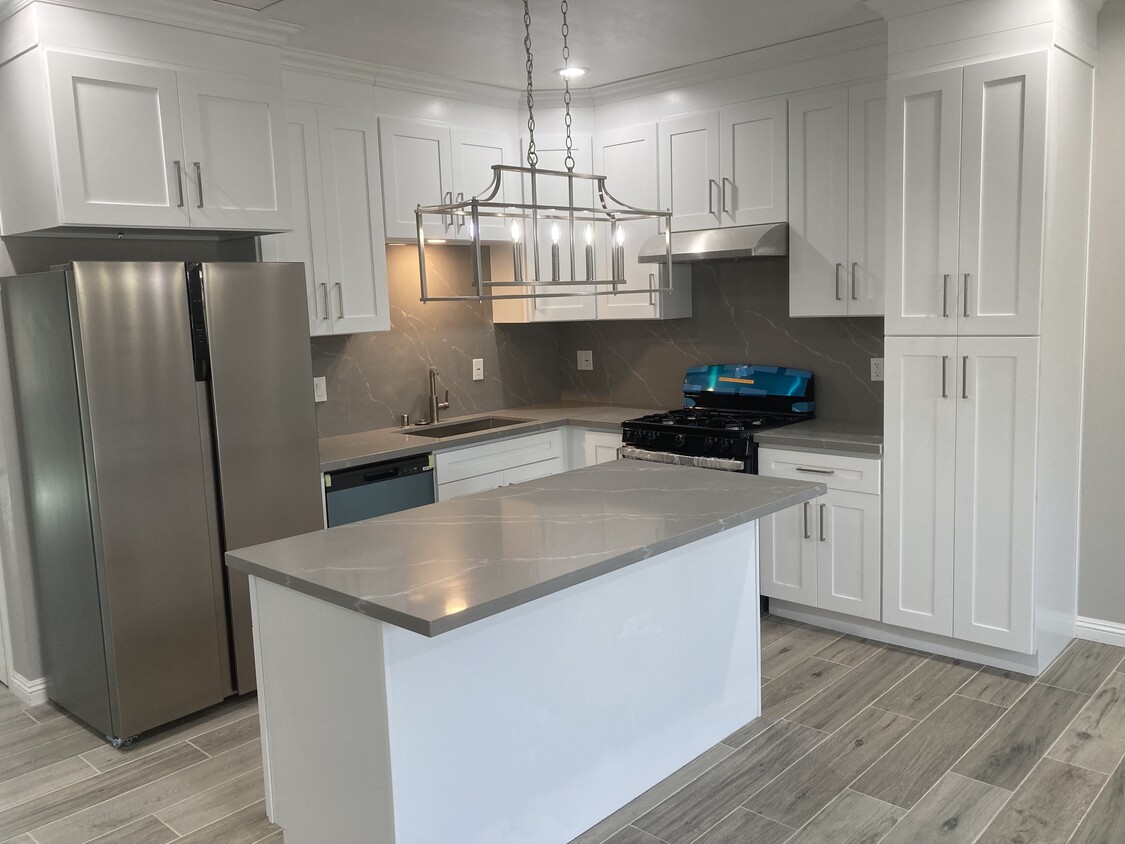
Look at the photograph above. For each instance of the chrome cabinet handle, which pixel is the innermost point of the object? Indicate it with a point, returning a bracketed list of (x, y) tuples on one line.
[(964, 376), (816, 471), (447, 198), (854, 265), (945, 295), (651, 286), (726, 209), (838, 268), (944, 377), (324, 293), (460, 218), (180, 182), (712, 186), (807, 534), (965, 311), (199, 182), (340, 296), (822, 538)]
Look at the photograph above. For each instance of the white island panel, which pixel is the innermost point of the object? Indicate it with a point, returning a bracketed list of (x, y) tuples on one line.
[(528, 726)]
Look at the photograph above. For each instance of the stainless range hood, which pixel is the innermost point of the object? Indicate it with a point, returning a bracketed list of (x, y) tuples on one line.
[(765, 241)]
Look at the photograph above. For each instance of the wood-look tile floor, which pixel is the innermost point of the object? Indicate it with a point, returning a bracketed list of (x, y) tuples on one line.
[(858, 743)]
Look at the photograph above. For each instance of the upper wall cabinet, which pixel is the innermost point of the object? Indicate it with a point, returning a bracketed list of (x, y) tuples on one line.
[(966, 199), (836, 183), (430, 163), (338, 223), (725, 168), (131, 145)]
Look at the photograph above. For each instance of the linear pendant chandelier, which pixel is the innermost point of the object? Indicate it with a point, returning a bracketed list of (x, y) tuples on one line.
[(555, 231)]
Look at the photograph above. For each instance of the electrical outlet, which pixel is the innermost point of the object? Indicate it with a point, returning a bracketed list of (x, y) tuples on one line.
[(320, 389), (876, 369), (478, 369), (585, 360)]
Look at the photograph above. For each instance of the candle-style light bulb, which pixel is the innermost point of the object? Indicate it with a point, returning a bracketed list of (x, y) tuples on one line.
[(472, 230), (620, 236), (517, 255), (589, 252), (619, 254), (555, 232)]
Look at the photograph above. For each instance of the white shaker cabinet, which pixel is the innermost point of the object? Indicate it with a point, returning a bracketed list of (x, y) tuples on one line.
[(966, 199), (727, 167), (417, 164), (960, 487), (836, 203), (508, 460), (234, 147), (825, 553), (141, 146), (338, 226), (475, 151)]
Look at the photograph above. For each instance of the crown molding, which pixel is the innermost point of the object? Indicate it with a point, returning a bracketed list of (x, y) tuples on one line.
[(871, 34), (235, 24)]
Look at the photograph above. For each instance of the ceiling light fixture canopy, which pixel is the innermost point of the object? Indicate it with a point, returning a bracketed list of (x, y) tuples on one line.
[(557, 229)]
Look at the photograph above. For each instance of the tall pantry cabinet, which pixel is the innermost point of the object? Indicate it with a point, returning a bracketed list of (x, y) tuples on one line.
[(985, 295)]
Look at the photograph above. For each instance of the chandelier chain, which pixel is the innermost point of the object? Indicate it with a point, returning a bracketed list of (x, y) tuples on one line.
[(566, 87), (532, 155)]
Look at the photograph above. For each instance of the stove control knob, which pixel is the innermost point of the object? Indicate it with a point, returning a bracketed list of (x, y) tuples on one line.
[(724, 445), (709, 444), (679, 440)]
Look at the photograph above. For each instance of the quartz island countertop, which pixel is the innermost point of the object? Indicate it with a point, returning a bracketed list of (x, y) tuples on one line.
[(440, 567)]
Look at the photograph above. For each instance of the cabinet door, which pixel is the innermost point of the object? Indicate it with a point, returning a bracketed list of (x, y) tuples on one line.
[(920, 442), (1003, 162), (627, 157), (849, 553), (308, 241), (867, 195), (818, 203), (924, 167), (754, 157), (234, 146), (997, 410), (474, 154), (689, 170), (553, 191), (357, 258), (787, 554), (417, 170), (118, 143), (600, 447)]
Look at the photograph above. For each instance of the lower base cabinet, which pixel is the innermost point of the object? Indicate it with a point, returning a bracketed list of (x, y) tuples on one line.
[(825, 553), (510, 460)]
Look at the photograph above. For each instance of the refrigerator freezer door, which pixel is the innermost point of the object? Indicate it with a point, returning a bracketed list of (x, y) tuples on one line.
[(265, 421), (148, 467)]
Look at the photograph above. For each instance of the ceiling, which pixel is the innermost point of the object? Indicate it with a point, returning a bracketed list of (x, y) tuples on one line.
[(482, 40)]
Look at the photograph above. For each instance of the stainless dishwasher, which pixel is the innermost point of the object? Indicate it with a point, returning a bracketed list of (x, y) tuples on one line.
[(376, 489)]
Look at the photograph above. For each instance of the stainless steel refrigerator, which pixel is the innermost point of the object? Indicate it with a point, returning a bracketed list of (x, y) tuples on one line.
[(165, 414)]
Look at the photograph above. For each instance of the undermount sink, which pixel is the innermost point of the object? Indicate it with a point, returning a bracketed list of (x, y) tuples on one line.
[(438, 431)]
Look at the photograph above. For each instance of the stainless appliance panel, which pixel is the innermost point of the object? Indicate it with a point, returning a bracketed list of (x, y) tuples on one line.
[(53, 455), (379, 489), (163, 614), (265, 420)]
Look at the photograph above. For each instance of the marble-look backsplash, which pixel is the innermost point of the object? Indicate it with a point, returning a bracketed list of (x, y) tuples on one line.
[(374, 378), (740, 314)]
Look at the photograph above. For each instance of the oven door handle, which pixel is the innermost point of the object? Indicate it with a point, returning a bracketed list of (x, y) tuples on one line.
[(629, 452)]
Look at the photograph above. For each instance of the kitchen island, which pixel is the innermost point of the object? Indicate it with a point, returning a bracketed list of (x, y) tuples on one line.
[(511, 666)]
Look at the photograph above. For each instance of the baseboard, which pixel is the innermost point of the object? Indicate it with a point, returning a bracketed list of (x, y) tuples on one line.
[(1097, 630), (30, 692)]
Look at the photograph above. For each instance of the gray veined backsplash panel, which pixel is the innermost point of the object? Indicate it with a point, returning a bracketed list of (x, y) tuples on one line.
[(373, 378), (740, 314)]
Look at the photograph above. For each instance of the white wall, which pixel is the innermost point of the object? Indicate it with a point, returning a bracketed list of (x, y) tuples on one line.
[(1101, 576)]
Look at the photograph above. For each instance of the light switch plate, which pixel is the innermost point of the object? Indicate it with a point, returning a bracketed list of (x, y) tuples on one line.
[(320, 389), (478, 369), (876, 369), (585, 360)]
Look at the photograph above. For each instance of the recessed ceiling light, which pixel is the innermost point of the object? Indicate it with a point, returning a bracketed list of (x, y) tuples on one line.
[(572, 72)]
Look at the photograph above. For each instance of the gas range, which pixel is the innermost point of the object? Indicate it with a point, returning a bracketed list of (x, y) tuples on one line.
[(724, 405)]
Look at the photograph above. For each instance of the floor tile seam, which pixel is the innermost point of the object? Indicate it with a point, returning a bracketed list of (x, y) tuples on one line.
[(33, 725), (785, 716), (1061, 688), (1028, 776), (93, 774), (875, 761), (223, 726), (1093, 802), (200, 749), (16, 776), (124, 793), (627, 826), (8, 723), (23, 711), (179, 834), (1120, 759)]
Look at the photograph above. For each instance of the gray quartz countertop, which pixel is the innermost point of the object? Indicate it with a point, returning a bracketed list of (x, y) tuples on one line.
[(442, 566), (826, 434), (349, 450)]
